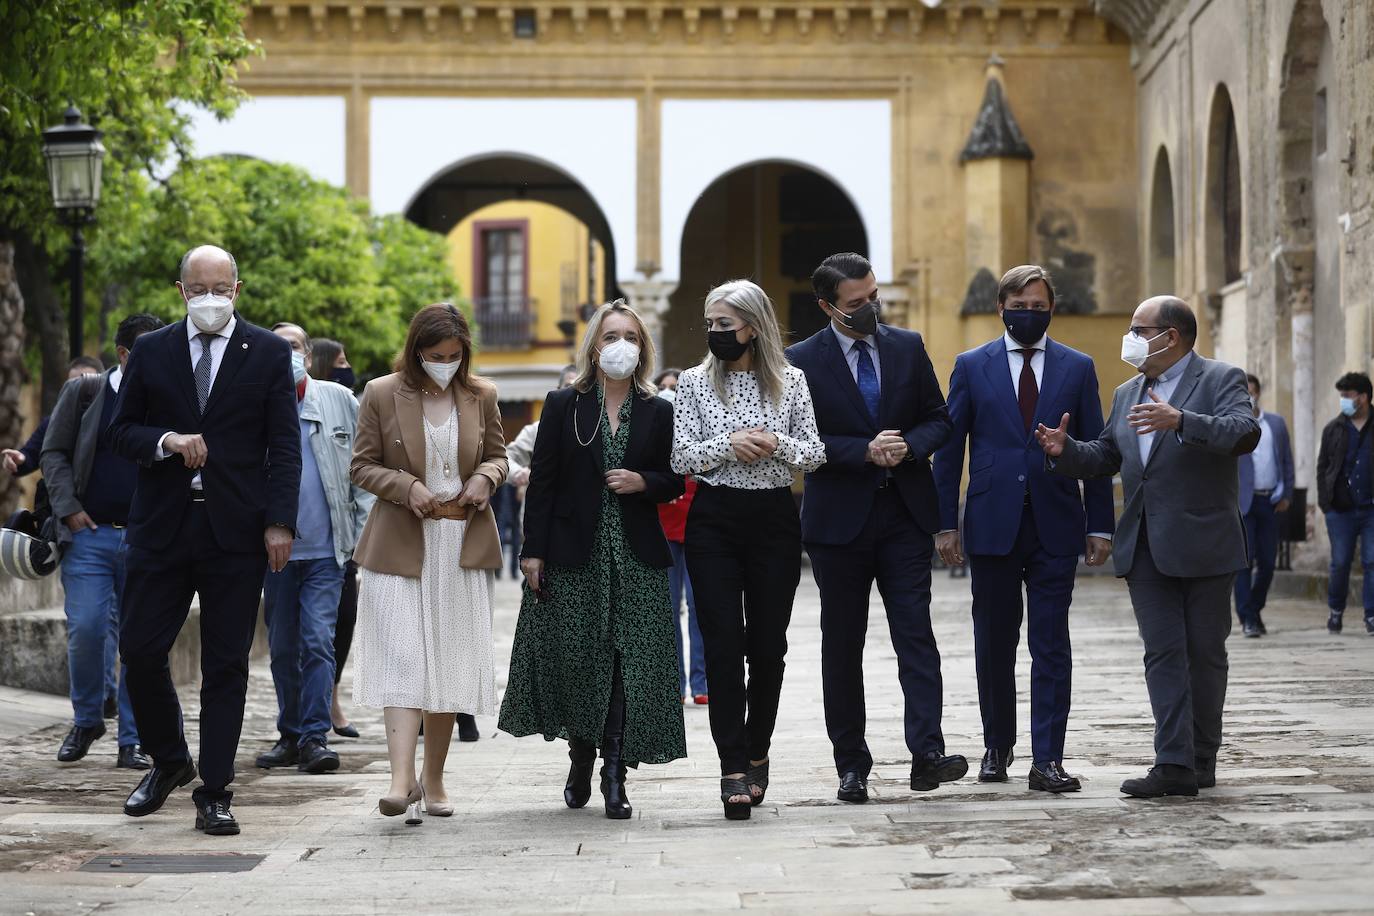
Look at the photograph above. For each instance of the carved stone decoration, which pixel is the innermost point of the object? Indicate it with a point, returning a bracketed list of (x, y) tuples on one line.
[(654, 17), (281, 14), (469, 16), (878, 16), (804, 17), (995, 132), (431, 20), (543, 18), (954, 17), (729, 15), (767, 21), (1135, 16), (1066, 23), (917, 21), (1028, 17), (981, 297), (617, 16), (842, 22), (691, 20), (580, 14), (318, 15), (356, 16), (393, 19), (991, 21)]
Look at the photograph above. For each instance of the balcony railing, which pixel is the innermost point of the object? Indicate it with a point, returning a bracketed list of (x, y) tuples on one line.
[(504, 322)]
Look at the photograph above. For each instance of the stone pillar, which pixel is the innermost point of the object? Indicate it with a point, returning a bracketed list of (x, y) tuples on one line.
[(1304, 388), (650, 299), (357, 142), (996, 160)]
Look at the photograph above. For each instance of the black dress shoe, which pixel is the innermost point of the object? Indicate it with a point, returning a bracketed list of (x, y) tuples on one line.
[(1259, 622), (1206, 770), (467, 728), (214, 819), (283, 754), (78, 742), (155, 787), (853, 788), (1252, 631), (1164, 779), (995, 763), (111, 710), (1052, 778), (1369, 625), (346, 731), (316, 757), (131, 757), (1333, 623), (929, 771)]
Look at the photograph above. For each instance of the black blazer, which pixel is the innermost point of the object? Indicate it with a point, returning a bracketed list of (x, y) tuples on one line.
[(253, 471), (840, 493), (563, 502)]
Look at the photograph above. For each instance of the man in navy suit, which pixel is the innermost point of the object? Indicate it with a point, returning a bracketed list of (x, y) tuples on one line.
[(1266, 487), (1021, 524), (208, 411), (869, 513)]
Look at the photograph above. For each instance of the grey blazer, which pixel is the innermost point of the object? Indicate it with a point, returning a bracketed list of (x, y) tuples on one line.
[(69, 446), (1187, 488)]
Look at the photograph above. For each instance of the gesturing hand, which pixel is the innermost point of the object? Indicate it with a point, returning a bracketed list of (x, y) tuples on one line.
[(1052, 440), (1155, 416), (191, 448), (624, 482), (278, 541), (13, 459)]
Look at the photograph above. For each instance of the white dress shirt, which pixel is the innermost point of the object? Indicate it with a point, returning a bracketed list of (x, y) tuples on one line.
[(1014, 360), (1265, 458), (851, 354), (116, 377), (219, 342), (1164, 387)]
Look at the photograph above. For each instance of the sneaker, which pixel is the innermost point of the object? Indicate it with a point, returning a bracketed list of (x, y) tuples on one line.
[(1333, 623), (317, 757)]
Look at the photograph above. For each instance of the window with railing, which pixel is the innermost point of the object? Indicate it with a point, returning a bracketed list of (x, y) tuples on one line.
[(502, 307)]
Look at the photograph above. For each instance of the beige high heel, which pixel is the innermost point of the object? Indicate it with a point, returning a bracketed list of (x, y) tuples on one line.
[(436, 809), (395, 805)]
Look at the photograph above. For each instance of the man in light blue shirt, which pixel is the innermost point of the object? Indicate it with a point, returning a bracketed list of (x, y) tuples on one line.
[(1266, 487)]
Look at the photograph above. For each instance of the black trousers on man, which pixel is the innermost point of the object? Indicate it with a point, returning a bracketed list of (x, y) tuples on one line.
[(744, 559), (894, 551), (157, 596)]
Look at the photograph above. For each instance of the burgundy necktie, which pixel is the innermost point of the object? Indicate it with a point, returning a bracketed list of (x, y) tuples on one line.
[(1027, 394)]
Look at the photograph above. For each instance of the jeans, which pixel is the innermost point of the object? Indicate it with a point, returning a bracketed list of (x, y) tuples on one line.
[(93, 577), (1343, 528), (302, 607), (1262, 534), (679, 584)]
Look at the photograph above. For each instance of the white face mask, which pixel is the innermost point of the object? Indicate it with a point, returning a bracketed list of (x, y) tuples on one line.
[(442, 373), (619, 358), (297, 366), (1134, 350), (209, 312)]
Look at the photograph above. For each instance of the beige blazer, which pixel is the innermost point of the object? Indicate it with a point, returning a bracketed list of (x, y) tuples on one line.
[(389, 455)]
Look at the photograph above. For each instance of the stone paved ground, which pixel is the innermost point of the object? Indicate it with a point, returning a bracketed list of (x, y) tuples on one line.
[(1290, 827)]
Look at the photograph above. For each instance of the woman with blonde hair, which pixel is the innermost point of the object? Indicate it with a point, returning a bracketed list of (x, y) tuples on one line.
[(430, 446), (743, 425), (594, 659)]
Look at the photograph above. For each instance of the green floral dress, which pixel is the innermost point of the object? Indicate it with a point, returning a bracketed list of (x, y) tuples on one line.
[(563, 658)]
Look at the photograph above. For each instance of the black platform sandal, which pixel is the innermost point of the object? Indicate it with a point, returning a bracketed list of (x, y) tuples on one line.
[(735, 811), (757, 776)]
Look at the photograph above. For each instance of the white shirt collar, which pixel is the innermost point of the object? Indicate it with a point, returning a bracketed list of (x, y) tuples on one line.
[(226, 332), (847, 343), (1014, 344), (116, 377)]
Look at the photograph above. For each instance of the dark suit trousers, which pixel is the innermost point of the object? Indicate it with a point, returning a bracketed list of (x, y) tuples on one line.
[(893, 550), (744, 560), (1184, 623), (157, 597), (1262, 534), (997, 611)]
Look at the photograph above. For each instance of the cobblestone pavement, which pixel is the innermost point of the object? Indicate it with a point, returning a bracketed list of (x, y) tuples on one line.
[(1289, 828)]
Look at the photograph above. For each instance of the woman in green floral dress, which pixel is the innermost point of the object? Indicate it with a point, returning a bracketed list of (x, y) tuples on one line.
[(595, 657)]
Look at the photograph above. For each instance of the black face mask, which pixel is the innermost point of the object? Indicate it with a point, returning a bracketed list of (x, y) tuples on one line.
[(863, 320), (344, 376), (726, 345), (1026, 326)]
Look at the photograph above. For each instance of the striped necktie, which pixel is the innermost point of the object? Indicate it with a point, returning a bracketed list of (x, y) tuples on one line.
[(203, 366)]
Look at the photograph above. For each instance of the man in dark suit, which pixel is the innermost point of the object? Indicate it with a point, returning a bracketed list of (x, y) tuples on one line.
[(1022, 525), (1266, 487), (1174, 434), (869, 513), (208, 411)]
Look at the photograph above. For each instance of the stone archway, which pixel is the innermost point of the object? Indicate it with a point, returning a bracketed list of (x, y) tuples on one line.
[(1223, 229), (1161, 256)]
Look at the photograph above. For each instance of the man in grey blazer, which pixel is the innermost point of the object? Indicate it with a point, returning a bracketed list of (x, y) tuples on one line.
[(1175, 434)]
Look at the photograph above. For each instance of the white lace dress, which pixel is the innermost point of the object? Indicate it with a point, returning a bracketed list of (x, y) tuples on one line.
[(426, 643)]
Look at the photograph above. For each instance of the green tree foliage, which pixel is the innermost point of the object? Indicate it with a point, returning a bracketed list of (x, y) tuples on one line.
[(308, 253)]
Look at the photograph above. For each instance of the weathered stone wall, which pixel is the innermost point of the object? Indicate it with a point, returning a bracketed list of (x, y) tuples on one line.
[(11, 371)]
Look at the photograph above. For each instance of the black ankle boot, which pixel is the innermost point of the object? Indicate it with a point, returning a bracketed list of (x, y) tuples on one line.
[(613, 781), (579, 788)]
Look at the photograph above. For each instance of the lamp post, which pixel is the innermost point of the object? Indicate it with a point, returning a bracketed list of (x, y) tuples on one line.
[(74, 155)]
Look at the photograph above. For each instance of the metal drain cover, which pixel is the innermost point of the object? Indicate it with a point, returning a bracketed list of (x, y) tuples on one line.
[(173, 864)]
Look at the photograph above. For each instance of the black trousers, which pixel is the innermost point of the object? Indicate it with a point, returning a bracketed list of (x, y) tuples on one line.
[(894, 551), (157, 595), (997, 615), (348, 619), (744, 559)]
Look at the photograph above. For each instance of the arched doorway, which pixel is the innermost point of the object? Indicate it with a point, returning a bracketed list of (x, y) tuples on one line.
[(1160, 275), (771, 222), (1223, 230), (534, 254)]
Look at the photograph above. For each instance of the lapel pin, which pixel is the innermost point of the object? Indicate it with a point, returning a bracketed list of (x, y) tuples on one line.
[(245, 346)]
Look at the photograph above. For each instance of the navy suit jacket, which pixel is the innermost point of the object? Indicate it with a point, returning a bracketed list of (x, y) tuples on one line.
[(1283, 455), (839, 494), (252, 433), (1005, 459)]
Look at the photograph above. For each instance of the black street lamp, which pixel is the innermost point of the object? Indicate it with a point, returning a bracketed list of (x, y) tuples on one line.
[(74, 156)]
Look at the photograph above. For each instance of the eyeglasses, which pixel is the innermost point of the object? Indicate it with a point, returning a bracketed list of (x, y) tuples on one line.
[(1137, 328)]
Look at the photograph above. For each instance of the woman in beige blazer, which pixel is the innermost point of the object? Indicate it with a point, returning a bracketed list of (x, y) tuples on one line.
[(430, 446)]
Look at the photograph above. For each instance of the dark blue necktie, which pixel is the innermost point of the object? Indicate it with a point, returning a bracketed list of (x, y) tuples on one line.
[(868, 379)]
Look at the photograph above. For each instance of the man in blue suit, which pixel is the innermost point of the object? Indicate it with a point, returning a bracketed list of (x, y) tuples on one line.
[(869, 513), (208, 411), (1266, 486), (1021, 524)]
